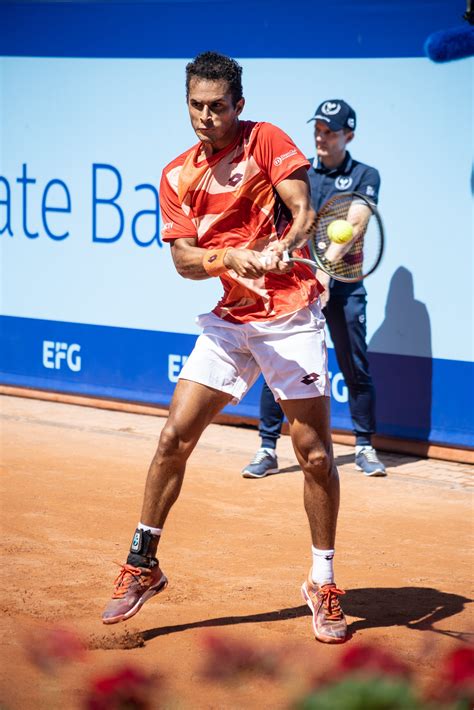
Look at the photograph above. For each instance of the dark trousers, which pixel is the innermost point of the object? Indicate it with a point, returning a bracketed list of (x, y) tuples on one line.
[(346, 321)]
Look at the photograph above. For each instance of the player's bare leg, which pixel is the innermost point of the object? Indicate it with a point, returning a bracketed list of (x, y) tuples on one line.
[(311, 438), (309, 421), (193, 407)]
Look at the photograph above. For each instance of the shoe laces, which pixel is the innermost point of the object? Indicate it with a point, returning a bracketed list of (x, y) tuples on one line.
[(330, 594), (126, 576), (370, 454), (259, 457)]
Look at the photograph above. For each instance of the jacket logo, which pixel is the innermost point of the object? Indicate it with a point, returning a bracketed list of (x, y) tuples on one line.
[(342, 182)]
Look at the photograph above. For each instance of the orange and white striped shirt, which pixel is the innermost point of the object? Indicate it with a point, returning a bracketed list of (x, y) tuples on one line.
[(229, 200)]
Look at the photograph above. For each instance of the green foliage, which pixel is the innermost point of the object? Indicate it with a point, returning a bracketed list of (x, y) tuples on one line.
[(363, 693)]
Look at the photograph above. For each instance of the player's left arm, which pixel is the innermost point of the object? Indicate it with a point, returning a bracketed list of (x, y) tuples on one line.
[(295, 192)]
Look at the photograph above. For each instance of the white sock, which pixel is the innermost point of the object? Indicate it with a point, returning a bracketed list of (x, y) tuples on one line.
[(272, 452), (154, 531), (322, 571)]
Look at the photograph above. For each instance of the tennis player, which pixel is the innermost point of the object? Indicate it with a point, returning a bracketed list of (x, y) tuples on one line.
[(231, 206)]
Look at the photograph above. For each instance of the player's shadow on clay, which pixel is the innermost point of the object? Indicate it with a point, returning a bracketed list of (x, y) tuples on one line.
[(266, 616), (414, 607)]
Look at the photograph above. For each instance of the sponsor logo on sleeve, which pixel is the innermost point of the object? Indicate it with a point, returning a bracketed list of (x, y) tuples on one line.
[(278, 161)]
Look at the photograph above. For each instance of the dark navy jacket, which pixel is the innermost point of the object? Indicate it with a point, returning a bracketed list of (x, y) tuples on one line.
[(350, 176)]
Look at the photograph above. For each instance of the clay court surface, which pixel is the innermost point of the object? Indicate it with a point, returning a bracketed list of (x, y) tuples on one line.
[(235, 551)]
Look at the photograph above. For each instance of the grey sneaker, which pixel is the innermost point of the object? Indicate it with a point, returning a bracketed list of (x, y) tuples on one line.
[(367, 462), (261, 465), (133, 587)]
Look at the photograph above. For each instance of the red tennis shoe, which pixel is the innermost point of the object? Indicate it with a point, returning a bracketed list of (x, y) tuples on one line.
[(329, 622), (133, 587)]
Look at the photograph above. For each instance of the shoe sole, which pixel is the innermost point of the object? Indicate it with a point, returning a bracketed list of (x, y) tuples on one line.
[(317, 634), (153, 591), (249, 474), (378, 472)]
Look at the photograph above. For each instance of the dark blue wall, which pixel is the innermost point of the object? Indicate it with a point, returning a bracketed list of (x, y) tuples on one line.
[(242, 28)]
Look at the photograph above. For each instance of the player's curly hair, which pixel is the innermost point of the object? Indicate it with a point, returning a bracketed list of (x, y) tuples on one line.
[(215, 66)]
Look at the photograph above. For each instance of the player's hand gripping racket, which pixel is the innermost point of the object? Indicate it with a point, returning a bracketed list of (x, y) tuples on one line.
[(344, 252)]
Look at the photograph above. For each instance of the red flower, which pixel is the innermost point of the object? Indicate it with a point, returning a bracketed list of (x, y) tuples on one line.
[(371, 660), (128, 688), (226, 658), (50, 647), (459, 666)]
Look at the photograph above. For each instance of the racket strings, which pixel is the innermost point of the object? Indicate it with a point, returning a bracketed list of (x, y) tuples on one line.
[(364, 251)]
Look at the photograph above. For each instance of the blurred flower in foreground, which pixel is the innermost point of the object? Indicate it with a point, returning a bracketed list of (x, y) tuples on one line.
[(367, 659), (455, 682), (459, 666), (226, 658), (49, 647), (125, 689)]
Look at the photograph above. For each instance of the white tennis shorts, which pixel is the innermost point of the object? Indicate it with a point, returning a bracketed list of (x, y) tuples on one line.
[(289, 351)]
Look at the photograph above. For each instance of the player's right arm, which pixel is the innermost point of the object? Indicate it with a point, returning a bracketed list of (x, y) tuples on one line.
[(188, 259)]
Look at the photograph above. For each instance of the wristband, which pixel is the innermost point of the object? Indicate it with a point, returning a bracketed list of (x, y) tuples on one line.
[(213, 261)]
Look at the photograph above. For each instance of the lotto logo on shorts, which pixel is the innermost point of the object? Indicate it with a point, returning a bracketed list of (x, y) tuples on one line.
[(309, 379)]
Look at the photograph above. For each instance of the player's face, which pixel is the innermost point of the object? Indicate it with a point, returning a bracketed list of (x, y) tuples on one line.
[(213, 114), (330, 145)]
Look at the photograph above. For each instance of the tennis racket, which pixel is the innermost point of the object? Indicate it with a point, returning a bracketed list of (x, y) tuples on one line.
[(353, 260)]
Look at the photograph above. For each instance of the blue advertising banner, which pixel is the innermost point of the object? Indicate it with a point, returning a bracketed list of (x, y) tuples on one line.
[(418, 401)]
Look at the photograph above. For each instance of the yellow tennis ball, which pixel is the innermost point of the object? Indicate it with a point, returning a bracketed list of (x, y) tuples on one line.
[(340, 231)]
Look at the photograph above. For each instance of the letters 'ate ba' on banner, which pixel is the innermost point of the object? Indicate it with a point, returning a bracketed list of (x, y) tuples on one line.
[(91, 302)]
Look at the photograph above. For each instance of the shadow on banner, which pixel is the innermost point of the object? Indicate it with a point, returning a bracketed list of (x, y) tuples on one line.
[(403, 380)]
